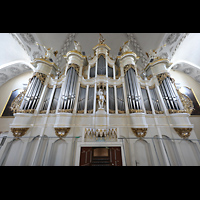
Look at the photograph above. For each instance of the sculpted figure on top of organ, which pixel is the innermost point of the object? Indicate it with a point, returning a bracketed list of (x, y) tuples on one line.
[(49, 54), (77, 46), (125, 47)]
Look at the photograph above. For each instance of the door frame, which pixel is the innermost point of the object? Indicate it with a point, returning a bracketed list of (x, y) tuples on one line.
[(98, 144)]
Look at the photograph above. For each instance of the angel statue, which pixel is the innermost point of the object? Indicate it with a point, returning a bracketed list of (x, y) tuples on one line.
[(125, 47), (77, 46), (101, 39), (49, 54), (152, 55)]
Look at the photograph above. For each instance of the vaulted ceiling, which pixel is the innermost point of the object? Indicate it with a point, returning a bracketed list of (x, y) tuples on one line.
[(18, 49)]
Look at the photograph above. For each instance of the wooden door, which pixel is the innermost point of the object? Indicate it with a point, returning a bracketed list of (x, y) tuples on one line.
[(86, 156), (115, 156), (100, 156)]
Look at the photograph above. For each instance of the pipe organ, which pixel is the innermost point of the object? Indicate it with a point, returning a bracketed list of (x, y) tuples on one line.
[(99, 94)]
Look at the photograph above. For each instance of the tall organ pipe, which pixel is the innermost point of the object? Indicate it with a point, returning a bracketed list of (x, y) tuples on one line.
[(29, 92), (132, 90)]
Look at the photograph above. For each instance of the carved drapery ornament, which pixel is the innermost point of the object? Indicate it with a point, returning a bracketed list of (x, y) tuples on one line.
[(19, 132), (40, 76), (183, 132), (139, 132), (75, 66), (61, 132), (127, 67), (187, 102), (15, 106), (162, 77)]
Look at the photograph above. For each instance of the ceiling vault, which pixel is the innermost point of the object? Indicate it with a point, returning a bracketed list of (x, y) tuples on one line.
[(172, 41)]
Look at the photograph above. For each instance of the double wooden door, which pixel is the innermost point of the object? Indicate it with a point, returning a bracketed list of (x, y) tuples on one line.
[(100, 156)]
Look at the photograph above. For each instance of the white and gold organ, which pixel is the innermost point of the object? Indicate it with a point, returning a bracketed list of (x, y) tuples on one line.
[(101, 102)]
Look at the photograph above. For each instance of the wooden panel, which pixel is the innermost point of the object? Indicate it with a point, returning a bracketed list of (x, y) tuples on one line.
[(101, 152), (86, 156), (115, 156)]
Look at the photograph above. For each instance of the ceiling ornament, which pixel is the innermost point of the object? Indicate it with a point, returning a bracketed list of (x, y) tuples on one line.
[(28, 42), (3, 77), (68, 41), (12, 71), (137, 48), (173, 37)]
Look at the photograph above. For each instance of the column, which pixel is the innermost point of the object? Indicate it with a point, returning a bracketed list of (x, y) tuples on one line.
[(116, 104), (42, 95), (51, 98), (114, 73), (161, 99), (61, 92), (107, 99), (89, 71), (150, 99), (86, 99), (106, 66), (95, 97), (77, 94)]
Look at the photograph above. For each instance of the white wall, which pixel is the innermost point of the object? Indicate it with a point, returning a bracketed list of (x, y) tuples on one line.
[(5, 91)]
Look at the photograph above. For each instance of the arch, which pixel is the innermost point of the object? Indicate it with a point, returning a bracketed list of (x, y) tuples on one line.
[(171, 151), (190, 153), (57, 155), (12, 153), (41, 151), (143, 154), (29, 154), (18, 62)]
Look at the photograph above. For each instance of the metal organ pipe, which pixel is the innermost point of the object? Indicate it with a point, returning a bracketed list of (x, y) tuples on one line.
[(165, 97), (132, 90), (68, 97), (29, 92), (33, 94), (174, 94), (168, 94)]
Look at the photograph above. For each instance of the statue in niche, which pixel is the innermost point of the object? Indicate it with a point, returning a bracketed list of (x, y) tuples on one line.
[(49, 53), (101, 99), (77, 46), (101, 39), (125, 47)]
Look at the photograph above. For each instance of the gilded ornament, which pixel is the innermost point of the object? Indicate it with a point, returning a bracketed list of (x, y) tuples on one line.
[(61, 132), (139, 132), (19, 132), (183, 132)]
